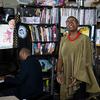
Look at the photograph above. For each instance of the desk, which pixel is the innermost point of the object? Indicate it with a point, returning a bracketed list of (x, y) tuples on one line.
[(8, 98), (1, 81)]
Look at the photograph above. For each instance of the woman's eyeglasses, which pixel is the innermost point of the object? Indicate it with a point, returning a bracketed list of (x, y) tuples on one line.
[(70, 20)]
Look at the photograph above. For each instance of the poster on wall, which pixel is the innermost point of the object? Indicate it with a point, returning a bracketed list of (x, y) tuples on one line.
[(6, 36)]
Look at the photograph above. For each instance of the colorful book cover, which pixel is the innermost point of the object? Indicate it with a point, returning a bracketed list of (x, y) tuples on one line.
[(84, 30), (52, 47), (64, 31), (45, 64)]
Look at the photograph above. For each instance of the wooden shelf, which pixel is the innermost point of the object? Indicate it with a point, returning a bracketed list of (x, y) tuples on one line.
[(98, 21), (97, 45)]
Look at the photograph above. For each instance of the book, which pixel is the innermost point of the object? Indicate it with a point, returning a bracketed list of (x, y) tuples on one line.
[(30, 20), (37, 34), (98, 36), (92, 32), (42, 35), (45, 64), (45, 34), (84, 30), (52, 48), (43, 16), (54, 33), (33, 27), (31, 33)]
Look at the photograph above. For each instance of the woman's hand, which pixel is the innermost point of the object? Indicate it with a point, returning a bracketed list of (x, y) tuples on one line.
[(59, 79), (72, 84)]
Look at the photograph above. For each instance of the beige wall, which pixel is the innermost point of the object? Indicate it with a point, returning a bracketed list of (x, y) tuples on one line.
[(10, 3)]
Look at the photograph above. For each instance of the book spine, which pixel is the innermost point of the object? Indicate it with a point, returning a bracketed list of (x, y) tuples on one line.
[(54, 33), (31, 33), (42, 36)]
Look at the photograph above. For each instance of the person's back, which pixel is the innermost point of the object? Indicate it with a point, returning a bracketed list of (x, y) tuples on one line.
[(34, 71), (29, 81), (32, 85)]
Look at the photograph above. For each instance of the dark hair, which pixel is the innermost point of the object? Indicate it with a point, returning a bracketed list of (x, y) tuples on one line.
[(72, 17)]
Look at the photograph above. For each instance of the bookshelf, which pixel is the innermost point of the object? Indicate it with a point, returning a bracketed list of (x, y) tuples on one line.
[(97, 52), (45, 23), (83, 14), (87, 17), (94, 4)]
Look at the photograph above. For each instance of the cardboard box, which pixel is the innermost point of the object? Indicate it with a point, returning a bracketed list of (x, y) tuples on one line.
[(94, 4)]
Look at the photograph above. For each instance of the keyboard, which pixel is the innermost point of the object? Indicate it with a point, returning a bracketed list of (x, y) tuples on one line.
[(1, 81)]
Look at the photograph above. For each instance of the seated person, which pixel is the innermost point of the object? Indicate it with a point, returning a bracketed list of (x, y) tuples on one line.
[(29, 81)]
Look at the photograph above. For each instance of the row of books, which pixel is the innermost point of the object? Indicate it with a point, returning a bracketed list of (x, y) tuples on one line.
[(84, 29), (42, 34), (84, 16), (88, 17), (47, 15), (41, 16), (42, 48)]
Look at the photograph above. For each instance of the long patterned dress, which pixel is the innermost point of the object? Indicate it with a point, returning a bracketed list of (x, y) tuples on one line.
[(77, 62)]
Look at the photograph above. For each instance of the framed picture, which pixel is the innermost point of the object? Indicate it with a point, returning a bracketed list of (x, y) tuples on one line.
[(6, 36)]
